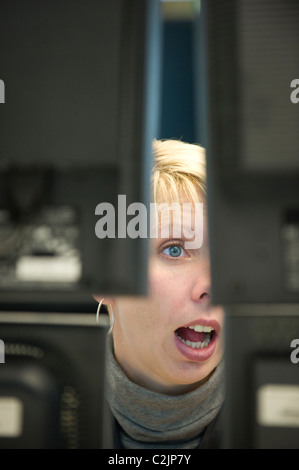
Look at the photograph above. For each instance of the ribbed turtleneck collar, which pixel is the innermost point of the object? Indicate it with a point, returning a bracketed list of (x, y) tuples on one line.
[(151, 420)]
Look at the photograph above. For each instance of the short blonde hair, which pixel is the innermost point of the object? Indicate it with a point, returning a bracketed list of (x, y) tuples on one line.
[(179, 170)]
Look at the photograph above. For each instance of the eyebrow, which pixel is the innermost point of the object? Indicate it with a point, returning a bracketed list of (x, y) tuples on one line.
[(183, 231)]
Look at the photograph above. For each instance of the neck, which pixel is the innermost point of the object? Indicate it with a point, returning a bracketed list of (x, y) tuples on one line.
[(159, 386), (150, 419)]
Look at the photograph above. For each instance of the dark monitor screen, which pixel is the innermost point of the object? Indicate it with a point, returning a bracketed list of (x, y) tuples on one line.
[(261, 409), (52, 382), (79, 108), (81, 86), (251, 58), (249, 61)]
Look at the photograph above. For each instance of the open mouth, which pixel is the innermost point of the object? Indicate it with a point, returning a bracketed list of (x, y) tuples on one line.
[(197, 341), (195, 336)]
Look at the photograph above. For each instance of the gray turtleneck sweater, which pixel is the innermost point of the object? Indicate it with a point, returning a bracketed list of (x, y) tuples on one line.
[(151, 420)]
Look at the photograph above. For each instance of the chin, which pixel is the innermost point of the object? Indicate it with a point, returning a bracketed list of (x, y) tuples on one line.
[(194, 374)]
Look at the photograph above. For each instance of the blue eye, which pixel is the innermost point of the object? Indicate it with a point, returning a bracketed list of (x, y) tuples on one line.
[(174, 251)]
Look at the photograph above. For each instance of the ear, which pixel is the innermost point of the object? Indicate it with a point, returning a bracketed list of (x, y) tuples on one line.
[(106, 300)]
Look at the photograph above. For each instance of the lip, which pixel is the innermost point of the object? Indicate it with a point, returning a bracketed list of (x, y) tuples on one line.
[(199, 355)]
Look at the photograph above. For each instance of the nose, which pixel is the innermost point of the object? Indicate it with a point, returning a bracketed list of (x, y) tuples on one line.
[(202, 296), (201, 288)]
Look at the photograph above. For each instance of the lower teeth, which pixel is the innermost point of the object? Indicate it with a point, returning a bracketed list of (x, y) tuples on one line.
[(198, 344)]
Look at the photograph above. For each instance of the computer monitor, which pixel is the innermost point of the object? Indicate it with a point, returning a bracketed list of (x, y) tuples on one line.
[(261, 408), (52, 382), (81, 109), (251, 59)]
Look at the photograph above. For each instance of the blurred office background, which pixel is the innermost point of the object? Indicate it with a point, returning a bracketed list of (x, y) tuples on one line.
[(253, 214)]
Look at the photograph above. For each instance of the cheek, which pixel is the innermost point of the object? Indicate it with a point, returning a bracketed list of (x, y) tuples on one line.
[(158, 280), (134, 320), (167, 287)]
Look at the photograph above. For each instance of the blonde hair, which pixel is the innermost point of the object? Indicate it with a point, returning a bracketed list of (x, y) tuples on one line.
[(179, 170)]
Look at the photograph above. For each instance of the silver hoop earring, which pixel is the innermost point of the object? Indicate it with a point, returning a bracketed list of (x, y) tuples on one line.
[(111, 316), (98, 311)]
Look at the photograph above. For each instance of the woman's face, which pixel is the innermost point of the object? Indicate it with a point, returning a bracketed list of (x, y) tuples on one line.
[(171, 341)]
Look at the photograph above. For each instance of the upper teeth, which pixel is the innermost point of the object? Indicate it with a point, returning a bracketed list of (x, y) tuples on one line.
[(201, 328)]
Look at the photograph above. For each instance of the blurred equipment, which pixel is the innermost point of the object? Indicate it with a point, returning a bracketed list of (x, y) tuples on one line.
[(253, 149), (262, 377), (81, 110), (52, 384)]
